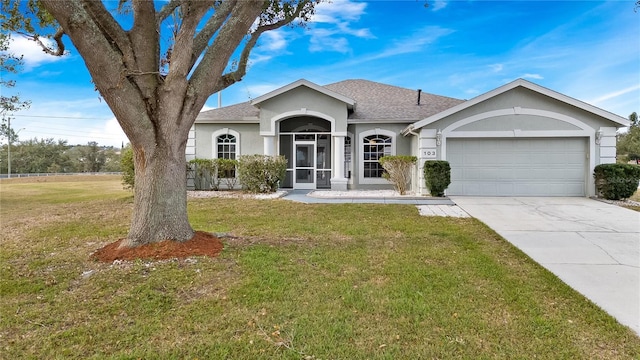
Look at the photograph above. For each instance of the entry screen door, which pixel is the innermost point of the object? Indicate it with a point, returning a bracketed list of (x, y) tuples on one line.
[(305, 171)]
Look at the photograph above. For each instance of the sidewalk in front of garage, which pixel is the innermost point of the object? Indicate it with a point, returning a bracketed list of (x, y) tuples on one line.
[(359, 197), (592, 246)]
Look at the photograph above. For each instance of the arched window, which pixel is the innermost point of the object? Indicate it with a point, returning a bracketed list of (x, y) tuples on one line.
[(375, 144), (226, 145)]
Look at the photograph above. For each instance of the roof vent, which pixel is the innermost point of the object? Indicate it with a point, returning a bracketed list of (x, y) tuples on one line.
[(419, 92)]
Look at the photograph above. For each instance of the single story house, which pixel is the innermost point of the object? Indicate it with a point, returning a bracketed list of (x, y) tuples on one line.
[(520, 139)]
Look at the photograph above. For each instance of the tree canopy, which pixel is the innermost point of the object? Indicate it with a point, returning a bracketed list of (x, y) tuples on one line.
[(629, 142), (155, 63), (9, 104)]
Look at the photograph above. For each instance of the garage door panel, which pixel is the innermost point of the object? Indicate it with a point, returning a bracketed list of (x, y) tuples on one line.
[(517, 167)]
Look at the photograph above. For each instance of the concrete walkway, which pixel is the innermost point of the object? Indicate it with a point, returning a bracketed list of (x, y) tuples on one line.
[(592, 246), (303, 197)]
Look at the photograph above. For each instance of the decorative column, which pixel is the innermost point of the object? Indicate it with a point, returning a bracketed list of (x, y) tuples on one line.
[(269, 145), (338, 181), (429, 141), (606, 139)]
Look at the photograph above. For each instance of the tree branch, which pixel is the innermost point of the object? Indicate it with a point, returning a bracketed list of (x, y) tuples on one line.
[(211, 27), (110, 28), (167, 10), (144, 37), (57, 37), (96, 41), (232, 77), (192, 13)]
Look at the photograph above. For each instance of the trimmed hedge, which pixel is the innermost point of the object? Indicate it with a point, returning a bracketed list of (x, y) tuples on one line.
[(616, 181), (261, 173), (437, 176)]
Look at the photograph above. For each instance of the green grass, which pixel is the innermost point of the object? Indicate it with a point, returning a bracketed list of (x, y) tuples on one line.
[(348, 281)]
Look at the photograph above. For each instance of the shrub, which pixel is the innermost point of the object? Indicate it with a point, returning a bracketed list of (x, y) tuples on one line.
[(437, 176), (398, 170), (261, 173), (127, 168), (227, 172), (205, 174), (616, 181)]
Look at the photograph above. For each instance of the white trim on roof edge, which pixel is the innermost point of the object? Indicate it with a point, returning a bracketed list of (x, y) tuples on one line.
[(512, 85), (307, 83)]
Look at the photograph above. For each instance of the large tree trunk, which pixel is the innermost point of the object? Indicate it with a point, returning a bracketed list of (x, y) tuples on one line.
[(160, 196), (156, 106)]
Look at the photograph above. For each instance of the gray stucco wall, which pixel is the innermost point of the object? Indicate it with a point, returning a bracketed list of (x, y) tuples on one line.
[(525, 98), (303, 98), (403, 147), (250, 139)]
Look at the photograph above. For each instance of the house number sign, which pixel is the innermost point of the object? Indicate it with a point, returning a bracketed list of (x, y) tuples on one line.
[(429, 153)]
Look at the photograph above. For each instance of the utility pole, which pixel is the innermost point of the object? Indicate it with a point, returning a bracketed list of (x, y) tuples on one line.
[(8, 147)]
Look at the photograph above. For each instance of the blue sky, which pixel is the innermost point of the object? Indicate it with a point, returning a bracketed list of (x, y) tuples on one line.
[(589, 50)]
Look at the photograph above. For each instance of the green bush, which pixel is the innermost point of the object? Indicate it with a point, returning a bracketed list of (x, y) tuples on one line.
[(616, 181), (437, 176), (398, 170), (205, 174), (127, 168), (261, 173), (227, 172)]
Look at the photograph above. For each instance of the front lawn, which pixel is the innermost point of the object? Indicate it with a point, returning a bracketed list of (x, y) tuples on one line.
[(295, 281)]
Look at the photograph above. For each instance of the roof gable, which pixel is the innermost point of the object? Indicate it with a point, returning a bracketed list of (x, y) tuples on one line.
[(302, 82), (510, 86)]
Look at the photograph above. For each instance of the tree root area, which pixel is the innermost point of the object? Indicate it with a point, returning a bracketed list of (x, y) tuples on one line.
[(201, 244)]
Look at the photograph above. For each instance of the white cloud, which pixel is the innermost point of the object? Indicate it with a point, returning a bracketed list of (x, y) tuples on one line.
[(497, 67), (616, 93), (532, 76), (272, 43), (332, 22), (32, 53), (273, 40), (327, 43), (415, 42), (111, 134), (439, 5), (338, 11)]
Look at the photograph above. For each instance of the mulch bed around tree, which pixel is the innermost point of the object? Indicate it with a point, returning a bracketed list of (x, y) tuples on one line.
[(202, 244)]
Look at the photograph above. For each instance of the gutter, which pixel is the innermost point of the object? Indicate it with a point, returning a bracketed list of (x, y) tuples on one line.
[(409, 130)]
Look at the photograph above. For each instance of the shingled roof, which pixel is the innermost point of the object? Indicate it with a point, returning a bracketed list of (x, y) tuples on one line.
[(375, 102)]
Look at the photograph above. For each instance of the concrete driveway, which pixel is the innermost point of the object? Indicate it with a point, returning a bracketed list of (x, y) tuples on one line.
[(592, 246)]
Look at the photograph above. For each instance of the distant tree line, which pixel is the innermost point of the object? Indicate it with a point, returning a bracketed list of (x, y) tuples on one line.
[(51, 156), (629, 142)]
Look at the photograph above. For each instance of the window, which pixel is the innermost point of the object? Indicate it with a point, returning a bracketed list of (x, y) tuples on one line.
[(375, 147), (374, 144), (226, 145)]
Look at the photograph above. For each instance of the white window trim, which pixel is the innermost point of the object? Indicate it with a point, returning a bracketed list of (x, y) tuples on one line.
[(224, 131), (361, 136)]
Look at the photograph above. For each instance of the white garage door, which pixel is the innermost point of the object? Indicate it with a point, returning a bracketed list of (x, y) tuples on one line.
[(517, 167)]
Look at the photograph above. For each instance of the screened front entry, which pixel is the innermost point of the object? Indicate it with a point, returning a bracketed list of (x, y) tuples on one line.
[(307, 149)]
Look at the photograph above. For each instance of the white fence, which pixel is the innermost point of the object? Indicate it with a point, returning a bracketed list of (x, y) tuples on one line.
[(5, 176)]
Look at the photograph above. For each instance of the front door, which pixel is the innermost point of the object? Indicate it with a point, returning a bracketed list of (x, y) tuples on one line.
[(304, 171)]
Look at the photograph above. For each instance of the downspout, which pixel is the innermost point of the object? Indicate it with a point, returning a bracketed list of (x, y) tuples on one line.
[(415, 178)]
